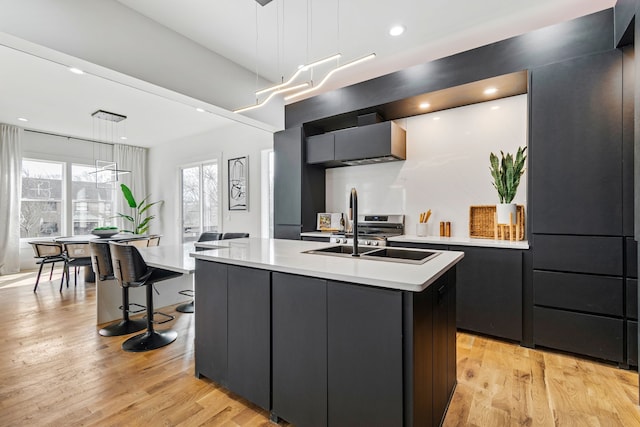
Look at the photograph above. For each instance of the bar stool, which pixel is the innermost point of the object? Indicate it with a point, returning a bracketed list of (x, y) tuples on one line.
[(207, 236), (103, 267), (130, 270), (227, 236), (47, 252)]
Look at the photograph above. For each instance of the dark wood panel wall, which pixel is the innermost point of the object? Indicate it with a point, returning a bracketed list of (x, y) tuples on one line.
[(582, 36)]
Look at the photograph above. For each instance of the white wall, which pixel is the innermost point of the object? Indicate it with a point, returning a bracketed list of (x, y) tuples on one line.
[(447, 166), (231, 141)]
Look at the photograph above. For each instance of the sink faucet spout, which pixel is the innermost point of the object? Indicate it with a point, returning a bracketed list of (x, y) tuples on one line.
[(354, 219)]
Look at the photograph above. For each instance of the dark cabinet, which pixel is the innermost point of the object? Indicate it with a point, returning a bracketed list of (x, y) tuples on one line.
[(320, 148), (365, 356), (489, 291), (579, 292), (632, 298), (580, 254), (233, 329), (211, 323), (581, 333), (632, 343), (444, 347), (631, 250), (575, 147), (299, 189), (299, 349), (249, 334)]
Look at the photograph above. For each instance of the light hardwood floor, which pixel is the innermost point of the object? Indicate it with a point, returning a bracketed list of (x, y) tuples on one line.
[(55, 370)]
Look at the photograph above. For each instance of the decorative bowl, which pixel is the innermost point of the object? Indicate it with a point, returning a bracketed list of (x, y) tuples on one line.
[(104, 232)]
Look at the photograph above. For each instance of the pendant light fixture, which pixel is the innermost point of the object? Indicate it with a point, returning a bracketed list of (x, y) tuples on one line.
[(107, 172), (309, 66)]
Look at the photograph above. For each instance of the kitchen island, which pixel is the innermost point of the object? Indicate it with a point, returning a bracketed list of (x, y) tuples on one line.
[(320, 339)]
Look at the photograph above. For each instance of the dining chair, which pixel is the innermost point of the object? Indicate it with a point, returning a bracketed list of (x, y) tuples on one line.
[(154, 240), (75, 255), (131, 270), (227, 236), (138, 242), (47, 252), (103, 267)]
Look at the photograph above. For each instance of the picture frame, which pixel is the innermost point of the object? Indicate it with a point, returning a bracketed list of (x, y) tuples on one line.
[(238, 183)]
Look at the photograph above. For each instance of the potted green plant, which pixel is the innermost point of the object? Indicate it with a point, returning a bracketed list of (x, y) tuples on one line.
[(140, 219), (506, 173)]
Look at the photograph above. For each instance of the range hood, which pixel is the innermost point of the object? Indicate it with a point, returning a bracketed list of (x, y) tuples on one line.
[(362, 145)]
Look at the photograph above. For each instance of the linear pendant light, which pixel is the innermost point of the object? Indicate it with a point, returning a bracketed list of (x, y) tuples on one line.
[(297, 73), (329, 74), (271, 95)]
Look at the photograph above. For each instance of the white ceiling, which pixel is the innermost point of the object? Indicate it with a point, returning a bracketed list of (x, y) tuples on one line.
[(289, 33)]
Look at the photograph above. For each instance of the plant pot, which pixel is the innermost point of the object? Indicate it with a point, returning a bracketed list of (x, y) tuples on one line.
[(503, 210)]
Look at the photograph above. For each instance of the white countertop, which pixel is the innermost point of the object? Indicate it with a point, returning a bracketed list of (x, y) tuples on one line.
[(461, 241), (170, 257), (287, 256)]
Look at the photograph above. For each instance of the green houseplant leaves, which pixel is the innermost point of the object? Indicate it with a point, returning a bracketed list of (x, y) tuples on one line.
[(506, 173), (141, 218)]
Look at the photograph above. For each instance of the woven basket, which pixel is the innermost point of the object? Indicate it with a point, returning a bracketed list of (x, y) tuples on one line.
[(482, 222)]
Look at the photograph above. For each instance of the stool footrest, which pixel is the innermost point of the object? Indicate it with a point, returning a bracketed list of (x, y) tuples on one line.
[(140, 308), (160, 322), (187, 293)]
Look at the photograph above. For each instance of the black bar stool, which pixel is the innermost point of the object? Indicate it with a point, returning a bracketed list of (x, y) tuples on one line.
[(130, 270), (188, 307), (103, 267)]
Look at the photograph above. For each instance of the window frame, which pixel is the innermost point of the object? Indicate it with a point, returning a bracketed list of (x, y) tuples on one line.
[(200, 165)]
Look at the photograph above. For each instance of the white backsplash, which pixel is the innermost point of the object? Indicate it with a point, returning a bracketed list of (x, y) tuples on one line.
[(447, 166)]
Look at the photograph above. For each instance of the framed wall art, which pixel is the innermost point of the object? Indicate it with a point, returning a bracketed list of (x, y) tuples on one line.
[(238, 171)]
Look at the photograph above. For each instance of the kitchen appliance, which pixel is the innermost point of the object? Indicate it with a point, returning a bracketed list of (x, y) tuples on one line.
[(373, 230)]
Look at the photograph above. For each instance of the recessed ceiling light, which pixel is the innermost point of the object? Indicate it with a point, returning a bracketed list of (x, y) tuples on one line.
[(123, 137), (436, 118), (396, 30), (495, 107), (22, 119), (200, 110), (424, 105), (75, 70), (490, 91)]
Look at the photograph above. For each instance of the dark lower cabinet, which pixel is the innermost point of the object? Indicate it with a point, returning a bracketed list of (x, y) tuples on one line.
[(364, 356), (299, 349), (249, 334), (211, 322), (632, 298), (233, 327), (591, 335), (325, 353), (632, 342), (489, 291)]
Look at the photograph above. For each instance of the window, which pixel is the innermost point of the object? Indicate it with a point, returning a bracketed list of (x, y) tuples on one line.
[(200, 207), (41, 211), (91, 206), (45, 203)]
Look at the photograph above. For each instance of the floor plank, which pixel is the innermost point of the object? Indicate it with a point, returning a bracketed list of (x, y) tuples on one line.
[(56, 370)]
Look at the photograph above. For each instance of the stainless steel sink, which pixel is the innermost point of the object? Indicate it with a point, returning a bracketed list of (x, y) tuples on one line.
[(410, 256), (333, 250), (407, 256)]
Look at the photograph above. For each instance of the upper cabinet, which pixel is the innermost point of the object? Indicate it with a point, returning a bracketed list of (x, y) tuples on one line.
[(575, 162), (380, 142)]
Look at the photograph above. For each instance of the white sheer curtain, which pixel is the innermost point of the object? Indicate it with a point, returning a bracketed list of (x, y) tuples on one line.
[(10, 185), (133, 159)]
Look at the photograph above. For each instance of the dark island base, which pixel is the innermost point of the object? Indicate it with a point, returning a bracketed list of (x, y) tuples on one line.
[(316, 352)]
